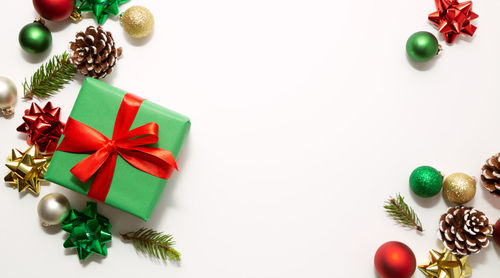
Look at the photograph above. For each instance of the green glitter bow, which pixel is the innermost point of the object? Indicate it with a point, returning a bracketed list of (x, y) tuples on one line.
[(101, 8), (88, 231)]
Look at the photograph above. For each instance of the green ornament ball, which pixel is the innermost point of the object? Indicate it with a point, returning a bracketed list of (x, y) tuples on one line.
[(35, 38), (426, 181), (422, 46)]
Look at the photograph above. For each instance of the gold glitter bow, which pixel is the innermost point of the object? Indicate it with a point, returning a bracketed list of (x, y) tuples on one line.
[(446, 265), (27, 169)]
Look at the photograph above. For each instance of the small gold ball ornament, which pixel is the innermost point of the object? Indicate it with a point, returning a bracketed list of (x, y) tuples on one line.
[(137, 21), (8, 96), (53, 209), (459, 188)]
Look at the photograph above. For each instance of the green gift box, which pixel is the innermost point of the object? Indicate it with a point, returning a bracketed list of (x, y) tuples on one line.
[(131, 189)]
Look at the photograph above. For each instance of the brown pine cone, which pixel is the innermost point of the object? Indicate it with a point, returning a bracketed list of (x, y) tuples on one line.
[(94, 52), (490, 175), (464, 230)]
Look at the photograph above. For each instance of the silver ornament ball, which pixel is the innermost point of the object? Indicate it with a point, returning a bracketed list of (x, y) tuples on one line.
[(53, 208), (8, 96)]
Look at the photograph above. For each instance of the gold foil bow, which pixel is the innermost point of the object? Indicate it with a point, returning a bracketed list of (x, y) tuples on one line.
[(446, 265), (27, 169)]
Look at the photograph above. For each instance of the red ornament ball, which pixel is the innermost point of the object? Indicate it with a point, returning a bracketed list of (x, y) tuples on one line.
[(496, 232), (395, 259), (54, 10)]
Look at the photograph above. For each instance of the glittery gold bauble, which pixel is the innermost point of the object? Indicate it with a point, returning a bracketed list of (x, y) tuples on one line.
[(138, 21), (459, 188)]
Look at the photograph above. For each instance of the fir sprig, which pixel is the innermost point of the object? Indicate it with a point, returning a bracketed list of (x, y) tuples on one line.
[(402, 213), (153, 243), (50, 77)]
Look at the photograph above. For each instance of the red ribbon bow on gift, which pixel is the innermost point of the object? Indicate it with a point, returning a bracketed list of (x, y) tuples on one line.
[(129, 144)]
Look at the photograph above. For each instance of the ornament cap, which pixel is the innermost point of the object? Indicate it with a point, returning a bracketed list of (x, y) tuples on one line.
[(8, 111), (39, 20), (76, 16)]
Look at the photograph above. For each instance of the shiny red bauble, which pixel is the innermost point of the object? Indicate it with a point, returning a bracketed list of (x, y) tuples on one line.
[(496, 232), (395, 260), (54, 10)]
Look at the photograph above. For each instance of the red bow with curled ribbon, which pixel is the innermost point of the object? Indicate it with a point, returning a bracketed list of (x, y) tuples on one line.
[(129, 144)]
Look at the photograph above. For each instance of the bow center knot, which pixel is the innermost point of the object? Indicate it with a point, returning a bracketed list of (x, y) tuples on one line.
[(110, 146)]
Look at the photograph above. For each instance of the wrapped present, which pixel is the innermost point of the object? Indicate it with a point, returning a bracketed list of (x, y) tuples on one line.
[(118, 148)]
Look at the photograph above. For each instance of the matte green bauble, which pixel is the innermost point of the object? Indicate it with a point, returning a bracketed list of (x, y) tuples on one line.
[(422, 46), (35, 38), (426, 181)]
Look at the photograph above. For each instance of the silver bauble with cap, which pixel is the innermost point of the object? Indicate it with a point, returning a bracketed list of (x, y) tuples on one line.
[(53, 208), (8, 96)]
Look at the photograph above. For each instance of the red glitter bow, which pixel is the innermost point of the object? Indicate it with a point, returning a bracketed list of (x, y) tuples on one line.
[(129, 144), (453, 18), (42, 126)]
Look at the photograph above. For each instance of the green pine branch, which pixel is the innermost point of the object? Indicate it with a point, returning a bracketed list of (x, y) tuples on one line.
[(50, 77), (402, 213), (153, 243)]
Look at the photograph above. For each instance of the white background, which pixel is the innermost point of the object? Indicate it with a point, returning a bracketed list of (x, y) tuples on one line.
[(306, 116)]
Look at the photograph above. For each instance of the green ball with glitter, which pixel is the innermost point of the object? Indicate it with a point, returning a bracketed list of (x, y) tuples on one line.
[(426, 181)]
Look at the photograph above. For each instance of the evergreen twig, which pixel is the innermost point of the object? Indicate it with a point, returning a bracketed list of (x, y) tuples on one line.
[(50, 77), (153, 243), (402, 213)]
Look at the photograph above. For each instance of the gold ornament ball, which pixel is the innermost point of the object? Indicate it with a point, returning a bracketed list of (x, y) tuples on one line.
[(8, 96), (138, 21), (459, 188)]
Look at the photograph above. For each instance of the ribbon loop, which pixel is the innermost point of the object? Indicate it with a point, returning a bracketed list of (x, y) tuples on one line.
[(129, 144), (143, 135)]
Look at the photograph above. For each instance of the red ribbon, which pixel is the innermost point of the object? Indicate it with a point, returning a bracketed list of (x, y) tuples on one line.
[(129, 144)]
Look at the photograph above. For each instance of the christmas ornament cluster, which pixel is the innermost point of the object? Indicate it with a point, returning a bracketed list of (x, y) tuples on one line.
[(452, 19), (463, 230), (36, 38), (92, 53), (137, 21)]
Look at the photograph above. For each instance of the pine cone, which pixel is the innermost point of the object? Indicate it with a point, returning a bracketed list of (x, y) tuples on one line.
[(464, 230), (94, 52), (490, 175)]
